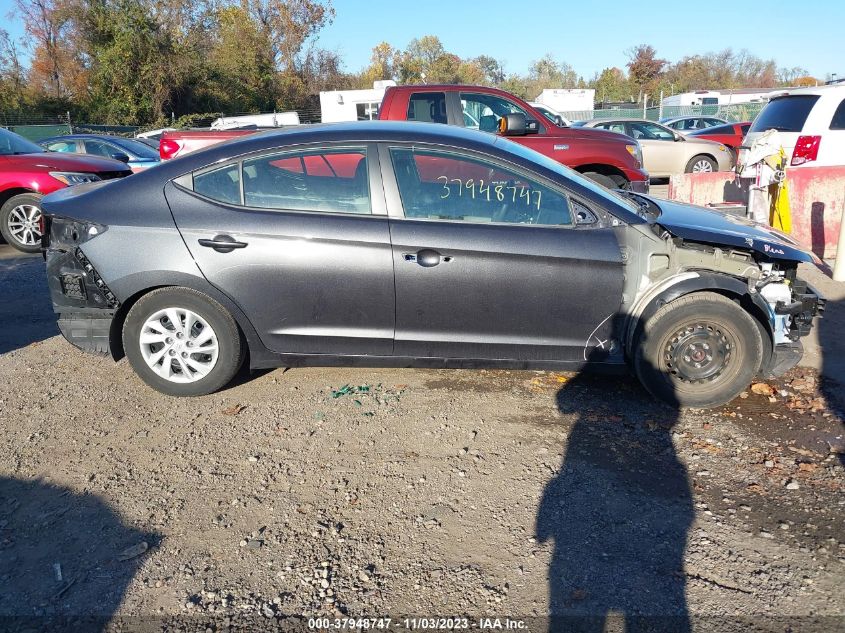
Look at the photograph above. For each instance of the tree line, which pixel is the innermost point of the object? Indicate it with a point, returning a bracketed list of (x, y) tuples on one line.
[(141, 62)]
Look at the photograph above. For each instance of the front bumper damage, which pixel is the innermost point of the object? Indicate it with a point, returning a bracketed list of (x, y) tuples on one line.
[(84, 303), (791, 321)]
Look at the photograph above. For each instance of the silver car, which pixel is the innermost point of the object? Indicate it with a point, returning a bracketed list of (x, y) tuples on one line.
[(691, 123), (666, 152)]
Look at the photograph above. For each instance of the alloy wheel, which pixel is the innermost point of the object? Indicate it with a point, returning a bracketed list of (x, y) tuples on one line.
[(23, 224), (702, 165), (179, 345)]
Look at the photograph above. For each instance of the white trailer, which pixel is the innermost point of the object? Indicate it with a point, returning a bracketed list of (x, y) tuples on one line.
[(568, 99), (273, 119), (353, 105)]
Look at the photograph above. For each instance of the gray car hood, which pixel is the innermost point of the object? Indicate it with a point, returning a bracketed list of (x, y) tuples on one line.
[(698, 224)]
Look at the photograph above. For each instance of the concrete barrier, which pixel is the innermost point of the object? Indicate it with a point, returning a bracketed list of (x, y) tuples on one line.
[(816, 198)]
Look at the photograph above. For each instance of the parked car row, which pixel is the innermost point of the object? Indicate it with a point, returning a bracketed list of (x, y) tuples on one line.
[(134, 153), (667, 152), (28, 172)]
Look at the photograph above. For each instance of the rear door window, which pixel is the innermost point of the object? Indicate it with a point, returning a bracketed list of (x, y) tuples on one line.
[(327, 180), (429, 107), (838, 120), (222, 184), (785, 114)]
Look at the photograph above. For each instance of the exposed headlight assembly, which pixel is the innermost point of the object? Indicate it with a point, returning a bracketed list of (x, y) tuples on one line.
[(74, 177)]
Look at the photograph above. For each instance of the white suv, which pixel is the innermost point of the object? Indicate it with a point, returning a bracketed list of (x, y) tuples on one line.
[(810, 122)]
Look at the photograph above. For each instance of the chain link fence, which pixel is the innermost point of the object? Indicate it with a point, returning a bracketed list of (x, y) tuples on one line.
[(734, 112)]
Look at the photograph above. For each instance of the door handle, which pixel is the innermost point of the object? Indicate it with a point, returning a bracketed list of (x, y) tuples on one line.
[(425, 258), (222, 243)]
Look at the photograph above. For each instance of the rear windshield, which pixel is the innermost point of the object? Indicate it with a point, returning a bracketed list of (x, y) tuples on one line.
[(785, 114)]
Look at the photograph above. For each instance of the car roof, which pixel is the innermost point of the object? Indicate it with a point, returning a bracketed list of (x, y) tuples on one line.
[(672, 119), (346, 132), (812, 90)]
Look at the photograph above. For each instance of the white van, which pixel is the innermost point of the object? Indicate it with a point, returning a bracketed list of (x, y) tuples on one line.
[(810, 122), (273, 119)]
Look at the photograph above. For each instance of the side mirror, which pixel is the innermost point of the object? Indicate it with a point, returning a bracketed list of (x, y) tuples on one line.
[(559, 121), (679, 137), (123, 158), (514, 125)]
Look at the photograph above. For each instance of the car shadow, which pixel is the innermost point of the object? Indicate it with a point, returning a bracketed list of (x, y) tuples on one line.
[(617, 512), (66, 558), (25, 309)]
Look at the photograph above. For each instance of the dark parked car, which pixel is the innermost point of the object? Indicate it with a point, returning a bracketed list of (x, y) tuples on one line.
[(411, 244), (27, 172), (134, 153)]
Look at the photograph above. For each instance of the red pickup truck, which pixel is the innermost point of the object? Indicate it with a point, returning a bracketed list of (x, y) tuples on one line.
[(613, 160)]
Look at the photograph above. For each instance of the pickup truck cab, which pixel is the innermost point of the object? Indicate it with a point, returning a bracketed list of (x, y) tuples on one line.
[(613, 160)]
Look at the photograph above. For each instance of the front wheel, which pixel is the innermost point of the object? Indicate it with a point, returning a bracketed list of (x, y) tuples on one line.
[(701, 164), (20, 222), (700, 351), (181, 342)]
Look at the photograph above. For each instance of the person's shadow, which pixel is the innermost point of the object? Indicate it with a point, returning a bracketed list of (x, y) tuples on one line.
[(618, 512), (66, 559)]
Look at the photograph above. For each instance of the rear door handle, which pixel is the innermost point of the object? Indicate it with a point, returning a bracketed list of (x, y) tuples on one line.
[(223, 243)]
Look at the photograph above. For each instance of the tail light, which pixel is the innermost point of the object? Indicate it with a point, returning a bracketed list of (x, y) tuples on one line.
[(168, 148), (806, 149)]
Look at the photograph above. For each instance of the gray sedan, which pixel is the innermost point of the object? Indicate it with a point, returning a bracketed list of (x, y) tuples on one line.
[(413, 244), (666, 152)]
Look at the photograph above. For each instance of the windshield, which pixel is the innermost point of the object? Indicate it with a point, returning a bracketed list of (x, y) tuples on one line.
[(11, 143), (552, 165)]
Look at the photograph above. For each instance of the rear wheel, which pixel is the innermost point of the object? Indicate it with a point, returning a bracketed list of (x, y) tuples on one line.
[(701, 350), (701, 164), (181, 342), (20, 218)]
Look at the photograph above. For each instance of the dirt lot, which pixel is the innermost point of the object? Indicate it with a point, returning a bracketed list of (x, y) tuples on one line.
[(403, 492)]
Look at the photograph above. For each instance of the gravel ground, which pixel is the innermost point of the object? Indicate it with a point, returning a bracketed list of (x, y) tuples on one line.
[(358, 492)]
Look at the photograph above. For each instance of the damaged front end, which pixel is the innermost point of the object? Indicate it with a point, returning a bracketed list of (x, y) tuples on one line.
[(84, 303), (684, 249)]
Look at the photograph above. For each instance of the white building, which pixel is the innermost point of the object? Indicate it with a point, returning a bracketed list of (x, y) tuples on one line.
[(568, 99), (353, 105)]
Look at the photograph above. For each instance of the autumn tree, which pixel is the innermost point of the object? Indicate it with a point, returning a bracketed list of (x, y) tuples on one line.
[(12, 74), (383, 65), (644, 68), (47, 26)]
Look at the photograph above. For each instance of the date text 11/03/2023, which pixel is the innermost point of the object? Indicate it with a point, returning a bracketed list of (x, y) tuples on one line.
[(417, 623)]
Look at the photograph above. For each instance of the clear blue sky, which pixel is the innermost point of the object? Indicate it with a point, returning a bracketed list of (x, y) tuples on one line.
[(589, 36)]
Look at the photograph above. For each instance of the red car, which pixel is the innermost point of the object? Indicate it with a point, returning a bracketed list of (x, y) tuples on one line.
[(27, 173), (729, 135), (610, 159)]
